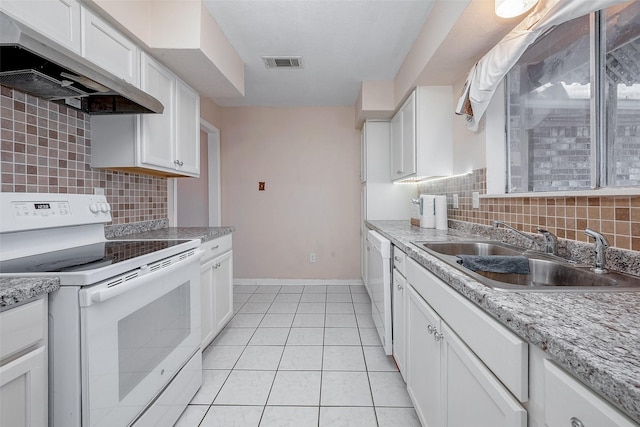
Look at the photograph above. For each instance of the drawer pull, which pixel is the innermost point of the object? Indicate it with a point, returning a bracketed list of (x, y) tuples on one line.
[(438, 336), (215, 247), (575, 422), (431, 329), (397, 258)]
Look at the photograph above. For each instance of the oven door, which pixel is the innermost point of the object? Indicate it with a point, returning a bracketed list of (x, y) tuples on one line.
[(136, 335)]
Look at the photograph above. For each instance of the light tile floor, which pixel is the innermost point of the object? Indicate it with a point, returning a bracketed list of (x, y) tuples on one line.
[(299, 356)]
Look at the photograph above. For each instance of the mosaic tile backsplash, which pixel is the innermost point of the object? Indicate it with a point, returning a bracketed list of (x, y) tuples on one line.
[(617, 217), (46, 148)]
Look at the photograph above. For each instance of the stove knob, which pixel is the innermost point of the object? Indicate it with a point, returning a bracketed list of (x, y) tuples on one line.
[(94, 208), (104, 207)]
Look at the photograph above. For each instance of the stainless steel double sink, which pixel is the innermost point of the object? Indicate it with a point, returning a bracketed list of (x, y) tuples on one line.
[(547, 272)]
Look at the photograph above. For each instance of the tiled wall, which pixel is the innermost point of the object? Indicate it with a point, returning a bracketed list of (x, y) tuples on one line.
[(617, 217), (46, 148)]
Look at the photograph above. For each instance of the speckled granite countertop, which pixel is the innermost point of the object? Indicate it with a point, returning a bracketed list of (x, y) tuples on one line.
[(203, 233), (14, 290), (595, 336)]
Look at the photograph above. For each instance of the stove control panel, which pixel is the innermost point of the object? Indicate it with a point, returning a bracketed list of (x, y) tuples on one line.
[(42, 209), (25, 211)]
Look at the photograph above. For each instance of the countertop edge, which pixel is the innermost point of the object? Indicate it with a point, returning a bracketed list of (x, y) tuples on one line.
[(15, 290), (205, 234)]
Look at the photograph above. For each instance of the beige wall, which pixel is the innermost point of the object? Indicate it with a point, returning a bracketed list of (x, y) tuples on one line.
[(210, 112), (310, 161)]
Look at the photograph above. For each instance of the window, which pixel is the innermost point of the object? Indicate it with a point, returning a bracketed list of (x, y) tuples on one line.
[(573, 106)]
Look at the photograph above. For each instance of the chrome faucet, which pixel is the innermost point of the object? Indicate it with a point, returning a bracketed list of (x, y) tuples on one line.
[(551, 241), (601, 245)]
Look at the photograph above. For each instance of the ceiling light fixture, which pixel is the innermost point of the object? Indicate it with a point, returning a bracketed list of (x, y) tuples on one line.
[(513, 8)]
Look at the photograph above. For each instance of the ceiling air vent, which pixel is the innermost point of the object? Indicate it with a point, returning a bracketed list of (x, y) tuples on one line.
[(282, 61)]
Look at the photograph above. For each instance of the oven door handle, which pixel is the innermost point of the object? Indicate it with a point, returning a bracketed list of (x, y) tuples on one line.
[(101, 293)]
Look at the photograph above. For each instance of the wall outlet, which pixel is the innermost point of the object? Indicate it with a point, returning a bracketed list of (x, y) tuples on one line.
[(475, 200), (312, 257), (98, 191), (455, 201)]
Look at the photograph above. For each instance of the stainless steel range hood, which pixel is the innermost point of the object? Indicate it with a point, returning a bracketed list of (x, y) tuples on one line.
[(29, 65)]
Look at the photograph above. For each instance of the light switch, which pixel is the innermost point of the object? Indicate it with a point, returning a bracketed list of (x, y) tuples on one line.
[(261, 185)]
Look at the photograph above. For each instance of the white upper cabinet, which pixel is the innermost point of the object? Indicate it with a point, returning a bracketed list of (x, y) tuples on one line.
[(107, 48), (57, 20), (166, 144), (157, 143), (187, 128), (375, 152), (422, 135)]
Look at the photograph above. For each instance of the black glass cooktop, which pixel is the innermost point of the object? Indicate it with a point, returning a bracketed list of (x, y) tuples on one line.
[(87, 257)]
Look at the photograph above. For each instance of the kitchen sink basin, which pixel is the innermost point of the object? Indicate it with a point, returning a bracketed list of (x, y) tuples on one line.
[(547, 272), (472, 248)]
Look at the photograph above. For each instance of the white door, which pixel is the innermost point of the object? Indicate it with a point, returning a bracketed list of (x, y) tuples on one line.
[(59, 20), (399, 319), (397, 169), (424, 360), (222, 291), (158, 135), (105, 46), (23, 390), (206, 301), (187, 129), (409, 136), (473, 396)]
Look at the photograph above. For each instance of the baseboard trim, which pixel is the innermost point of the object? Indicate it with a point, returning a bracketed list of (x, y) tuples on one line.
[(292, 282)]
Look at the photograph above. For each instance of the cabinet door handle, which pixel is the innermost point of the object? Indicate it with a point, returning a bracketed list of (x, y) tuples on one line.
[(575, 422), (437, 336), (178, 162), (399, 287), (430, 329), (397, 258), (368, 248), (398, 172)]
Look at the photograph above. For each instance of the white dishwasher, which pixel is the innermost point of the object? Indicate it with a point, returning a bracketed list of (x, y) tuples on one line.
[(379, 285)]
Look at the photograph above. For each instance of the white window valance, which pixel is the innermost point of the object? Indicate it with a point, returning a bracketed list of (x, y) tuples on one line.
[(486, 74)]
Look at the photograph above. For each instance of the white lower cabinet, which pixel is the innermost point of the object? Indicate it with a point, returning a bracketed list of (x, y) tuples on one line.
[(559, 399), (472, 395), (399, 310), (448, 380), (463, 368), (399, 321), (216, 281), (23, 365), (424, 360)]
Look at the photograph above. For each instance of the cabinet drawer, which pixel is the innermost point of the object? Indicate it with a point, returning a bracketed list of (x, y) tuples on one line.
[(568, 402), (399, 260), (504, 353), (215, 247), (22, 327)]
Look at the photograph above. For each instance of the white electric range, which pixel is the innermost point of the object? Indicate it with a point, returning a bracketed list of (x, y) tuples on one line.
[(124, 327)]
